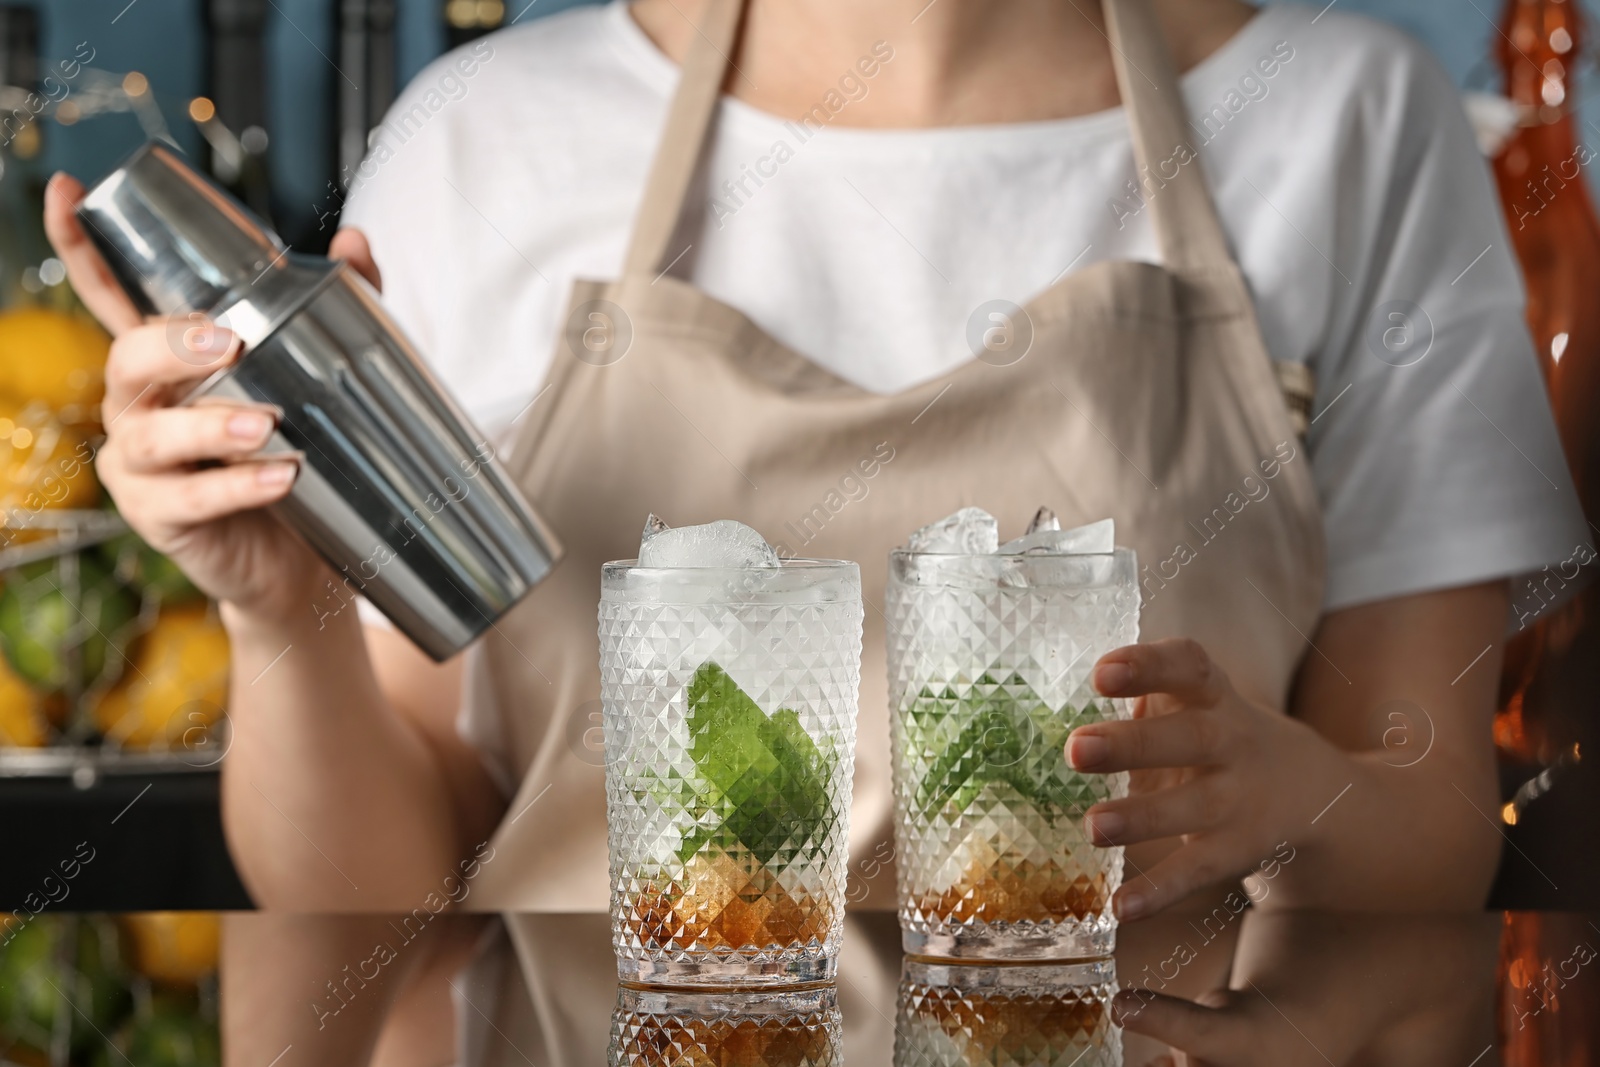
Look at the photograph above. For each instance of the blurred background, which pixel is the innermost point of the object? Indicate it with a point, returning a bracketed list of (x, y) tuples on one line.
[(299, 82), (113, 669), (111, 989)]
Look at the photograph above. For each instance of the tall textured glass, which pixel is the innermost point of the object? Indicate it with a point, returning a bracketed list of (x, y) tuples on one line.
[(729, 711), (989, 662), (953, 1015)]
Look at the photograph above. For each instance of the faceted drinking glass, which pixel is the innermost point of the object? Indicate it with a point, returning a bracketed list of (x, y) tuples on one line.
[(729, 711), (989, 662), (788, 1028), (952, 1015)]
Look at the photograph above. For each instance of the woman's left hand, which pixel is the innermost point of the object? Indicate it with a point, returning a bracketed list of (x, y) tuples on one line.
[(1239, 779)]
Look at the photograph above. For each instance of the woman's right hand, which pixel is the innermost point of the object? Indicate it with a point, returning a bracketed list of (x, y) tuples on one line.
[(186, 478)]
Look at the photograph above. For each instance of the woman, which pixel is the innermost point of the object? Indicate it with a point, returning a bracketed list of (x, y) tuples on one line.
[(806, 269)]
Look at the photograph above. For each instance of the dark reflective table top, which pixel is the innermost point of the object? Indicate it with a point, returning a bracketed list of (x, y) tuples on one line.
[(1260, 987)]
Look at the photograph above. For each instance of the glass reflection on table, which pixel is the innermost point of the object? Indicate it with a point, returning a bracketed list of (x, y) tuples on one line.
[(777, 1028), (1268, 988), (1033, 1015)]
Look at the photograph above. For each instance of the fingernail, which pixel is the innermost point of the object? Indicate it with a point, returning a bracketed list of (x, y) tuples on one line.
[(1127, 1004), (1086, 751), (1112, 678), (275, 473), (249, 425), (1129, 906), (1105, 827), (208, 338)]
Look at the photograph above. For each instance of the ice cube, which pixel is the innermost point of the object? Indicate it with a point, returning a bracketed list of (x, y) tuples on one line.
[(970, 531), (723, 543), (1095, 537), (1043, 519)]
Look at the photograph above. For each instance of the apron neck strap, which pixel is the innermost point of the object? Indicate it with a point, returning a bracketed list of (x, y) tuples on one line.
[(695, 102), (1187, 227), (1169, 175)]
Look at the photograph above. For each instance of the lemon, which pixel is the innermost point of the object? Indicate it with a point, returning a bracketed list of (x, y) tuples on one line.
[(176, 681), (24, 714), (44, 461), (56, 358), (173, 946), (41, 625)]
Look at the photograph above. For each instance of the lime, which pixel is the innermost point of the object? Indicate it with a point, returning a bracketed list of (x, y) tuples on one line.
[(99, 980), (169, 1036), (137, 564), (29, 962), (40, 625)]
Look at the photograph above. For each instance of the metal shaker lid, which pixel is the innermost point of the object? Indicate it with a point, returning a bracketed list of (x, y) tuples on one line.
[(175, 241)]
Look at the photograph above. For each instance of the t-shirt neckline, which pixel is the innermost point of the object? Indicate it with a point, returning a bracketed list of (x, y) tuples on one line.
[(738, 119)]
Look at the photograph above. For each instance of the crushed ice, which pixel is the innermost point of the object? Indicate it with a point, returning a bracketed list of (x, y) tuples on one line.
[(973, 531)]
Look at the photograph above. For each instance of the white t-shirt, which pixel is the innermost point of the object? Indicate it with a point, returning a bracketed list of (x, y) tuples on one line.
[(1337, 151)]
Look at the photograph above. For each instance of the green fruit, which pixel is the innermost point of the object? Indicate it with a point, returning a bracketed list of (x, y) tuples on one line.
[(137, 564), (168, 1037), (52, 957), (29, 962), (39, 623), (100, 984)]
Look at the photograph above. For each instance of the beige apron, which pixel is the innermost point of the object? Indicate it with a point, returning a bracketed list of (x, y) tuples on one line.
[(1146, 395)]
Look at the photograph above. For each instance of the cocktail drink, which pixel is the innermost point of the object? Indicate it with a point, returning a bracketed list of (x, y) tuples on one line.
[(990, 654), (788, 1028), (960, 1015), (729, 691)]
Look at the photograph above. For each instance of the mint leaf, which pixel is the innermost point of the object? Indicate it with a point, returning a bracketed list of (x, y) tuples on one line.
[(769, 781), (997, 736)]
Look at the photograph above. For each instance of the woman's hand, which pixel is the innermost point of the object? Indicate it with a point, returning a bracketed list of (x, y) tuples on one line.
[(1306, 989), (188, 479), (1233, 779)]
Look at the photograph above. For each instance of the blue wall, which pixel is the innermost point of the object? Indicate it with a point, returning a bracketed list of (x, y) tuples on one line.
[(161, 38)]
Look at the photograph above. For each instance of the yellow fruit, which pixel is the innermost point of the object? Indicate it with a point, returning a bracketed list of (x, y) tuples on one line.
[(175, 683), (56, 358), (44, 462), (24, 717), (173, 946)]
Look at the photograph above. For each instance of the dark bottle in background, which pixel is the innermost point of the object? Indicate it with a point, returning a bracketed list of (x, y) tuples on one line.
[(367, 58), (233, 119), (23, 247)]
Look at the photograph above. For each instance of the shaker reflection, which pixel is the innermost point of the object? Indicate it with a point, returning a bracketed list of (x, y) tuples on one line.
[(662, 1028), (1046, 1015)]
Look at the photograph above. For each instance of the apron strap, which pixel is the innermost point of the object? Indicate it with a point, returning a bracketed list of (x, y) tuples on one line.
[(1185, 218), (695, 102), (1170, 179)]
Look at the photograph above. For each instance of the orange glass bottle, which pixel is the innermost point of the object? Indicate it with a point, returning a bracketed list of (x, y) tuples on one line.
[(1548, 1005), (1543, 172)]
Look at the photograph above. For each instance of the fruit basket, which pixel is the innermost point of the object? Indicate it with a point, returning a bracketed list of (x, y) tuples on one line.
[(110, 660), (99, 990)]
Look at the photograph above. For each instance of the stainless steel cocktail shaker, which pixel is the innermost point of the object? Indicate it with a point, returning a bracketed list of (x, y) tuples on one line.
[(396, 490)]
